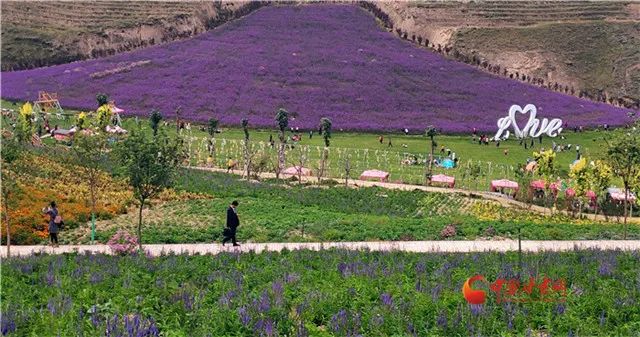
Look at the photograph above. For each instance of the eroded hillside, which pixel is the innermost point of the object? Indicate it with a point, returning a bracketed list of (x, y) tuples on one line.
[(592, 47), (44, 33)]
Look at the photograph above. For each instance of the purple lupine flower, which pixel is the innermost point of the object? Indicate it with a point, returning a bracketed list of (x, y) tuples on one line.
[(26, 268), (605, 269), (476, 309), (278, 292), (386, 299), (339, 321), (292, 277), (268, 328), (301, 331), (559, 309), (420, 267), (265, 304), (411, 330), (442, 320), (342, 269), (435, 292), (603, 319), (570, 334), (7, 322), (95, 278), (245, 318)]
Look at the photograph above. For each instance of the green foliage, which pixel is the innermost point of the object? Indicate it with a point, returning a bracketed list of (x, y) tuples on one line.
[(245, 128), (25, 127), (149, 164), (155, 118), (103, 116), (320, 291), (102, 99), (546, 165), (212, 127), (282, 119), (325, 130)]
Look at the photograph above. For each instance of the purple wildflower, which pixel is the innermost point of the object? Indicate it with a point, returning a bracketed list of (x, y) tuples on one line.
[(560, 309), (245, 318), (386, 299), (442, 320)]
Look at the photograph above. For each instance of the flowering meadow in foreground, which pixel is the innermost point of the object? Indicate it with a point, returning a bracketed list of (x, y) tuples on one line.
[(316, 61), (306, 293)]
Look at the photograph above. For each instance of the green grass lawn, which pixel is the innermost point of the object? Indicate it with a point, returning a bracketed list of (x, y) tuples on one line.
[(293, 213), (365, 152)]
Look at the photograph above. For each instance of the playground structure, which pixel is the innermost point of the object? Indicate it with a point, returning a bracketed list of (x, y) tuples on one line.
[(47, 103)]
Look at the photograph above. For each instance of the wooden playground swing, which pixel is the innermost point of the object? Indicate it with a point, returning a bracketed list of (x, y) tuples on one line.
[(47, 103)]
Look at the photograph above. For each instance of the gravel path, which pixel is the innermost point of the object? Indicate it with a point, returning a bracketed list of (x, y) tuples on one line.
[(407, 246)]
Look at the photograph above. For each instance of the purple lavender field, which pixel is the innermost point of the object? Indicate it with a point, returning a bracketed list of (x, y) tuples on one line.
[(313, 60)]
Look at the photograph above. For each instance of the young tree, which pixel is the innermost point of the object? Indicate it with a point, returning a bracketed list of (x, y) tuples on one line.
[(430, 132), (282, 121), (155, 118), (90, 152), (623, 154), (178, 119), (81, 121), (212, 128), (10, 153), (150, 163), (547, 170), (325, 130), (600, 175), (247, 156), (24, 128), (103, 116)]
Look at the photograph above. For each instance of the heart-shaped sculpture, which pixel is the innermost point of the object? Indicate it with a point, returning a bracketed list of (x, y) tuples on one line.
[(533, 128)]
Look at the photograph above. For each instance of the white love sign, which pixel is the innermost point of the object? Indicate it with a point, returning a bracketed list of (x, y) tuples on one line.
[(534, 127)]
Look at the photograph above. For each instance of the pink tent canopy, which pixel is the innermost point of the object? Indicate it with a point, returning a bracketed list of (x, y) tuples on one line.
[(503, 183), (619, 195), (295, 170), (375, 175), (441, 178), (537, 184)]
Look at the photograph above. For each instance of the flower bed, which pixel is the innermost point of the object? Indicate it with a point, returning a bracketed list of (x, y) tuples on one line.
[(306, 293)]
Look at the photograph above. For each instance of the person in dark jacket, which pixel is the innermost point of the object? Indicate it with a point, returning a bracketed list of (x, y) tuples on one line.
[(232, 224), (52, 211)]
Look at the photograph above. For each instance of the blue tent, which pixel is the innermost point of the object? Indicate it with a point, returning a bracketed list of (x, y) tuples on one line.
[(448, 163)]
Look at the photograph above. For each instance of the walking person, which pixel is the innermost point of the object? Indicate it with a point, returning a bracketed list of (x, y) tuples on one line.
[(232, 224), (55, 222)]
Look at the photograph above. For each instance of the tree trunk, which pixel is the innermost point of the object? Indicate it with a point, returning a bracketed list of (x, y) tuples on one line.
[(281, 159), (213, 150), (431, 159), (626, 214), (325, 154), (247, 162), (5, 204), (140, 225), (93, 210)]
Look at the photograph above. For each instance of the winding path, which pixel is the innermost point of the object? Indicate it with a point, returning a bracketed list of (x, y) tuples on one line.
[(406, 246)]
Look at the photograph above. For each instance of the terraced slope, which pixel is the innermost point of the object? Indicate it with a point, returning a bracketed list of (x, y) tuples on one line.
[(592, 46), (315, 60), (52, 32)]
